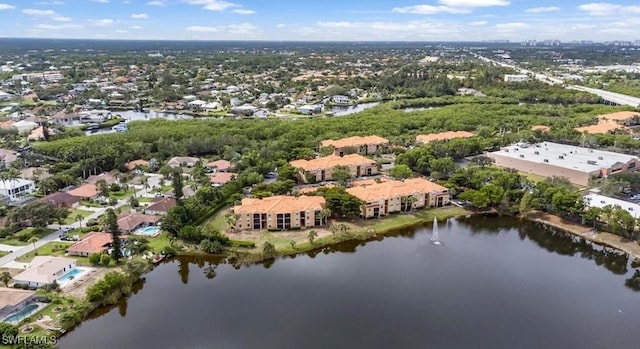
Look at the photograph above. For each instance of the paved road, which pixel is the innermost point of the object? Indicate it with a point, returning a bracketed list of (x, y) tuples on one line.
[(154, 180), (613, 97)]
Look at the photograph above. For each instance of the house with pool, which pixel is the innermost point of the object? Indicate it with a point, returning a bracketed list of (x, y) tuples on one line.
[(13, 300), (139, 224), (44, 270)]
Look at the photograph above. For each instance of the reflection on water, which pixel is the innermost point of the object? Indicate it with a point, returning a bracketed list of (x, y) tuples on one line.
[(352, 109), (502, 282)]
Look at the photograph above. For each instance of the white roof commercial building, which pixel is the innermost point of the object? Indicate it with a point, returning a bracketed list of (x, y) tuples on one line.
[(600, 201), (13, 189), (578, 164)]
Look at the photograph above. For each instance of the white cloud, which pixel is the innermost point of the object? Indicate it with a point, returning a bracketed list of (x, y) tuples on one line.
[(135, 27), (478, 23), (6, 7), (139, 16), (58, 3), (213, 5), (244, 30), (101, 1), (474, 3), (511, 26), (101, 22), (39, 13), (242, 11), (606, 9), (156, 3), (281, 25), (542, 9), (58, 27), (126, 2), (429, 9), (121, 31), (62, 19)]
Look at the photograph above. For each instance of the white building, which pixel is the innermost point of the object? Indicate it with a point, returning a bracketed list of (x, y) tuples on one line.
[(44, 270), (14, 189), (340, 99), (310, 109), (5, 96), (578, 164), (600, 201), (516, 78)]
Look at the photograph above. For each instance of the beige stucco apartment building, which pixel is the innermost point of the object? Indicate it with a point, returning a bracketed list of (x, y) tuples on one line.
[(323, 167), (364, 145), (390, 196), (549, 159), (280, 213)]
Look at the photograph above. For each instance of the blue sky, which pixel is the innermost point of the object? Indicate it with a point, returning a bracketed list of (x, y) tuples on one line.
[(360, 20)]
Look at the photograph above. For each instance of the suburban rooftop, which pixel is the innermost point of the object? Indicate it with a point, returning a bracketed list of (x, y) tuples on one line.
[(573, 157)]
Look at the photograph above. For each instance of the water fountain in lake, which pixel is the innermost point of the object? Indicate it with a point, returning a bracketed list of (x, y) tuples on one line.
[(435, 238)]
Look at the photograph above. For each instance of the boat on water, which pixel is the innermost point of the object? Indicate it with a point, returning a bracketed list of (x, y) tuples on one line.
[(157, 258)]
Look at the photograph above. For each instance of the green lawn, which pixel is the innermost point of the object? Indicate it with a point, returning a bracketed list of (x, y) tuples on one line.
[(144, 199), (75, 212), (218, 221), (92, 204), (121, 194), (14, 240), (53, 248), (3, 253), (533, 177), (158, 243)]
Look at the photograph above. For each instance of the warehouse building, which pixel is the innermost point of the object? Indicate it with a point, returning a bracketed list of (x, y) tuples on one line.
[(578, 164)]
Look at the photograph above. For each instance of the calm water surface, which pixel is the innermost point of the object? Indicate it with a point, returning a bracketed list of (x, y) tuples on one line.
[(494, 283)]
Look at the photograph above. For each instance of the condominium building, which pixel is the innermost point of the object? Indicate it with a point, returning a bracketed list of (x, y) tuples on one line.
[(363, 145), (280, 213), (322, 168)]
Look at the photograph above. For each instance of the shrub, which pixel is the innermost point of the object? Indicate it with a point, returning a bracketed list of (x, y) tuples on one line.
[(209, 246), (95, 258), (243, 244), (105, 260), (8, 330), (169, 251)]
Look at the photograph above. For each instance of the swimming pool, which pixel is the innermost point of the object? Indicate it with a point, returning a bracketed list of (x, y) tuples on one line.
[(73, 274), (23, 313), (151, 230)]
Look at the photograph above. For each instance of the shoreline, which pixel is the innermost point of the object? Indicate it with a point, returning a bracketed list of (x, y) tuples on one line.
[(617, 242)]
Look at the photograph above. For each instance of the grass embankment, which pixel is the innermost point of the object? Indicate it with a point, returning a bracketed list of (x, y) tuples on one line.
[(293, 242), (617, 242)]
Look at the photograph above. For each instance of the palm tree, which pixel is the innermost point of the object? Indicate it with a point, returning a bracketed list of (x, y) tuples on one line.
[(79, 219), (324, 215), (33, 240), (5, 277)]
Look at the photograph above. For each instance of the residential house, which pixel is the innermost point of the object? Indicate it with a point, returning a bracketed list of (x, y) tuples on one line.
[(363, 145), (160, 206), (95, 242), (13, 300), (129, 222), (108, 177), (64, 119), (14, 189), (7, 125), (340, 99), (4, 96), (85, 191), (62, 199), (35, 173), (180, 161), (7, 157), (244, 110), (132, 165), (310, 109), (44, 270), (37, 134), (24, 126), (442, 136), (219, 179), (280, 213), (219, 166), (392, 196), (321, 169)]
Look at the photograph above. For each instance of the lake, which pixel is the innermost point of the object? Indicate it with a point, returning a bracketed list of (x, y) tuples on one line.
[(493, 283)]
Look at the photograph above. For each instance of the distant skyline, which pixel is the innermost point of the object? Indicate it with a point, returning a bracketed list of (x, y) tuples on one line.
[(328, 20)]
